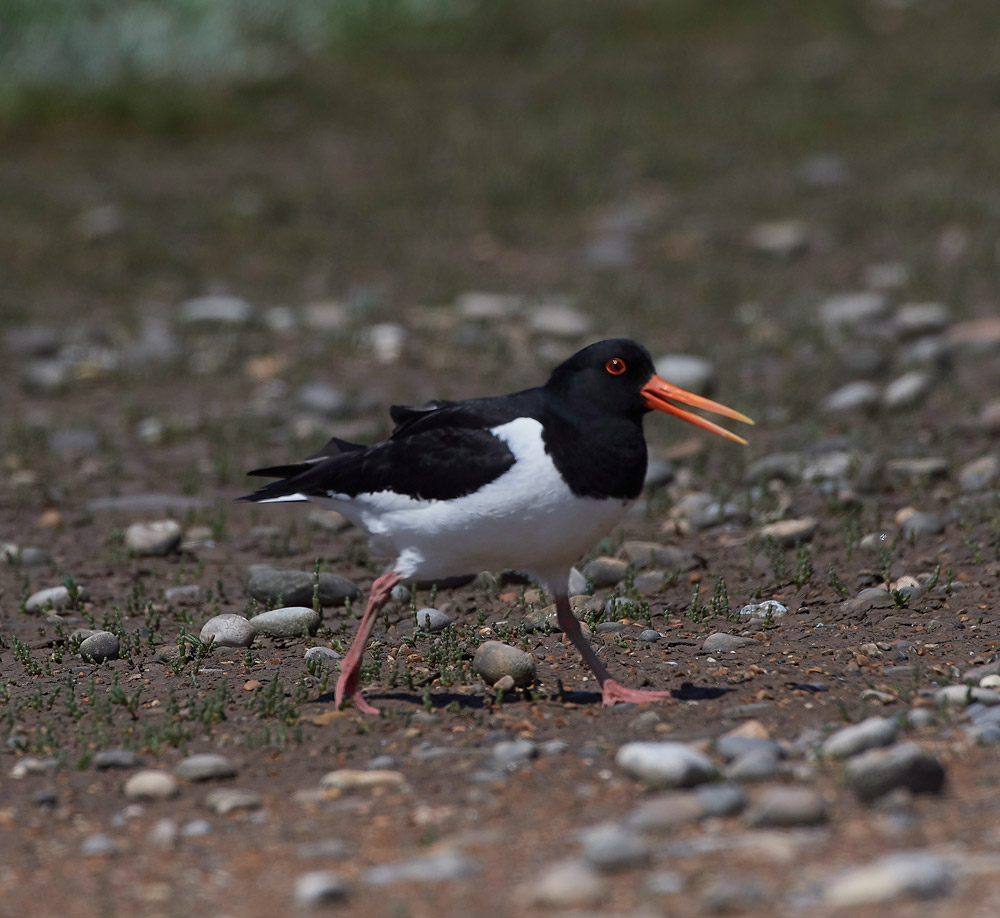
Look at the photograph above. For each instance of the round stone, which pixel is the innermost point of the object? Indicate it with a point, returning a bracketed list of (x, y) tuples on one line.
[(665, 765), (151, 539), (959, 696), (432, 620), (218, 309), (291, 621), (688, 371), (610, 848), (228, 630), (151, 785), (495, 659), (720, 642), (790, 532), (117, 758), (57, 597), (225, 801), (605, 571), (919, 874), (204, 766), (100, 646), (319, 887), (869, 734), (855, 396), (979, 474), (878, 771), (295, 588), (908, 389), (567, 883), (762, 611), (326, 655), (787, 806)]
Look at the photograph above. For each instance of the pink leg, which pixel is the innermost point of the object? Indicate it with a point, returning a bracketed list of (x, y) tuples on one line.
[(350, 667), (611, 691)]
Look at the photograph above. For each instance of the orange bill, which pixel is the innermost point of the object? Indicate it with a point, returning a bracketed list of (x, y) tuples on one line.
[(657, 391)]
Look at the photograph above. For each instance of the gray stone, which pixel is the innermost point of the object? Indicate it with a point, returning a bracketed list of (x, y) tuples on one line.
[(508, 754), (731, 746), (326, 655), (494, 660), (663, 883), (915, 319), (890, 275), (196, 828), (229, 630), (151, 785), (720, 642), (763, 611), (33, 341), (790, 532), (57, 597), (980, 474), (46, 376), (653, 554), (187, 595), (920, 523), (732, 895), (761, 764), (696, 374), (117, 758), (226, 800), (667, 812), (98, 845), (289, 621), (921, 717), (431, 868), (74, 442), (153, 539), (721, 799), (854, 396), (825, 170), (605, 572), (649, 636), (24, 555), (852, 309), (100, 646), (908, 389), (612, 847), (919, 874), (432, 620), (318, 888), (221, 310), (958, 696), (787, 806), (567, 883), (878, 771), (658, 474), (869, 734), (665, 765), (577, 582), (322, 398), (779, 238), (480, 306), (204, 767), (163, 834), (783, 466), (295, 588), (559, 320), (326, 317)]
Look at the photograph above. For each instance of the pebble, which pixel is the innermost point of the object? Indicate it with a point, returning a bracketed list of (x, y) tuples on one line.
[(326, 655), (480, 306), (761, 764), (667, 812), (649, 636), (567, 883), (29, 765), (187, 595), (290, 621), (196, 828), (495, 659), (852, 309), (958, 696), (790, 532), (322, 398), (919, 874), (665, 765), (100, 646), (559, 320), (908, 389), (385, 340), (74, 442), (33, 341), (612, 847), (854, 396), (979, 474), (117, 758), (732, 895), (226, 800), (222, 310), (432, 868), (605, 572), (318, 887), (295, 588), (783, 466), (919, 523), (721, 642), (508, 754), (787, 806), (763, 611), (432, 620), (46, 376), (228, 630), (653, 554), (24, 555), (153, 539), (204, 766), (869, 734), (915, 319), (658, 474), (890, 275), (696, 374), (351, 779), (325, 316), (57, 597), (878, 771), (98, 845), (163, 834), (663, 883), (780, 238), (724, 799), (151, 785)]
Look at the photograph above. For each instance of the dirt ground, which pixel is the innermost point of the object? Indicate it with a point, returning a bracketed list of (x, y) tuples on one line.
[(705, 183)]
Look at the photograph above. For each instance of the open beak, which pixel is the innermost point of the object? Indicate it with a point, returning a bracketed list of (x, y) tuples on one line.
[(656, 392)]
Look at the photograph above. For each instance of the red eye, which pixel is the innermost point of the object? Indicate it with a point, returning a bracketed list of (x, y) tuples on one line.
[(615, 366)]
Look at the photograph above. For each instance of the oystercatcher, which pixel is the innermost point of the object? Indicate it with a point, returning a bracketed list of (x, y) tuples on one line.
[(528, 481)]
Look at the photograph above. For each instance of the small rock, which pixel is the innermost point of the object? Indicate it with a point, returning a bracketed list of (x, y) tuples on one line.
[(907, 390), (57, 597), (432, 620), (665, 765), (605, 572), (890, 275), (720, 799), (295, 588), (290, 621), (959, 696), (432, 868), (319, 887), (24, 555), (322, 398), (649, 636), (915, 319), (559, 320), (787, 806), (664, 883), (567, 883), (385, 340), (917, 523), (100, 646), (325, 316), (222, 310), (720, 642), (611, 847), (780, 238), (653, 554), (187, 595), (790, 532), (732, 895), (226, 800), (508, 754), (979, 474), (696, 374), (878, 771), (117, 758), (667, 812), (919, 874), (153, 539), (852, 309), (351, 779), (854, 396), (163, 834), (204, 767), (760, 764), (783, 466), (98, 845), (487, 306), (763, 611), (151, 785), (869, 734), (494, 660), (326, 655), (228, 630)]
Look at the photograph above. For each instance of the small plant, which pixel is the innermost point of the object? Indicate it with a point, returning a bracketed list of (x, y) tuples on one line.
[(720, 598), (803, 565), (696, 612)]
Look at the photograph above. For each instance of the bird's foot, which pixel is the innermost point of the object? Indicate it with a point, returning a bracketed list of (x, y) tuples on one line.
[(346, 686), (612, 692)]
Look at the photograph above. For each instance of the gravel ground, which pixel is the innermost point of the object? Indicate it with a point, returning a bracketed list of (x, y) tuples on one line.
[(797, 235)]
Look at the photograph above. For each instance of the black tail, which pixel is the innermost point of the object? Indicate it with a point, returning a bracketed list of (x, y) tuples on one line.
[(289, 473)]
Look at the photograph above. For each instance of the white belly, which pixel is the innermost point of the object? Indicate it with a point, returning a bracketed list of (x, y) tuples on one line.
[(527, 519)]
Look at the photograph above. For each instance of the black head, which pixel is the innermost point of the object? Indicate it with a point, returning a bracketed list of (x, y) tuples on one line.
[(608, 376)]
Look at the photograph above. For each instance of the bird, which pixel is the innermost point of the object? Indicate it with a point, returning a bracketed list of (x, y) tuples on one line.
[(527, 481)]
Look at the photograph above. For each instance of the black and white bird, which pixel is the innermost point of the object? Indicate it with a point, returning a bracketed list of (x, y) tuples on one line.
[(528, 481)]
